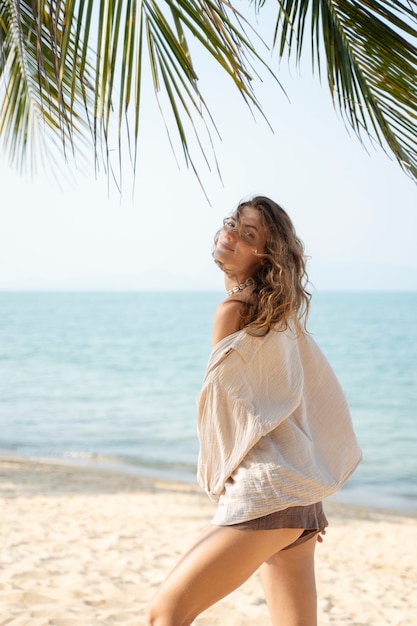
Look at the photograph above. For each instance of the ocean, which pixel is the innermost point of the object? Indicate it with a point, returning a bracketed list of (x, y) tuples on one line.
[(112, 379)]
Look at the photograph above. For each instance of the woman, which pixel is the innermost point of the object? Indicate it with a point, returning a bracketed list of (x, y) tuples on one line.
[(275, 431)]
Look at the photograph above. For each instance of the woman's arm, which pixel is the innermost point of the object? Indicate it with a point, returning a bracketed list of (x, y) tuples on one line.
[(226, 320)]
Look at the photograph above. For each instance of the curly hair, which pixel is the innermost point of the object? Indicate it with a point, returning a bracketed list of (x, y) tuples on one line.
[(280, 290)]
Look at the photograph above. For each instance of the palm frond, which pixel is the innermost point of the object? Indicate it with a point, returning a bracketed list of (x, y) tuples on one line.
[(74, 65), (368, 49), (63, 41), (35, 105), (169, 25)]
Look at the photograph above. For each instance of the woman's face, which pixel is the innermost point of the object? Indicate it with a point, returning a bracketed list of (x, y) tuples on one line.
[(238, 255)]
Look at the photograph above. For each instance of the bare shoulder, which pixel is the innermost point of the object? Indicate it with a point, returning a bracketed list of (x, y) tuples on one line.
[(226, 319)]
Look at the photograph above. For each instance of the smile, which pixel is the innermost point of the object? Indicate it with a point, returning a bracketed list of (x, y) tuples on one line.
[(225, 246)]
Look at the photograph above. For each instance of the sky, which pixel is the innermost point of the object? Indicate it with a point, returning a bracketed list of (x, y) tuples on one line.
[(356, 211)]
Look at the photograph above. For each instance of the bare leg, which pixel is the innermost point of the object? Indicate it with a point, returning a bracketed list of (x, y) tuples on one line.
[(219, 562), (288, 579)]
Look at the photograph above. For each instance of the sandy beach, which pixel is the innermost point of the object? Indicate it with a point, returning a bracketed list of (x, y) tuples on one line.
[(88, 546)]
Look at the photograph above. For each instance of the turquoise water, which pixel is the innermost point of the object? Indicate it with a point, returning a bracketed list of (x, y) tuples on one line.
[(113, 378)]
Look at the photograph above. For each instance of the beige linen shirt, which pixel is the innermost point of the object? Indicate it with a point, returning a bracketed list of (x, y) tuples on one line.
[(274, 426)]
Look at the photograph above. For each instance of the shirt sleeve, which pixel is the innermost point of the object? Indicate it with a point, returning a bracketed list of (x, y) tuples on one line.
[(241, 402)]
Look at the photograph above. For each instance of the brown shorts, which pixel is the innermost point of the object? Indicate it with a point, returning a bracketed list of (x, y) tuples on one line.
[(311, 518)]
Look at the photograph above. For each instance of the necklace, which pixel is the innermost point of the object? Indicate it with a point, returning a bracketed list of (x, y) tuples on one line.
[(240, 287)]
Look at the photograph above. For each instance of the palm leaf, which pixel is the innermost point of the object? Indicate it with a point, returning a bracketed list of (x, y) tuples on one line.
[(33, 97), (49, 49), (370, 57), (63, 40)]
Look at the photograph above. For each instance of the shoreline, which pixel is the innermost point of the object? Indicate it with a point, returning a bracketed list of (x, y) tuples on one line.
[(356, 497), (87, 546), (112, 476)]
